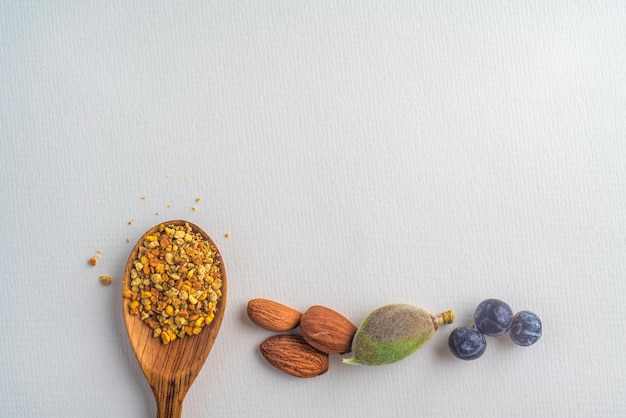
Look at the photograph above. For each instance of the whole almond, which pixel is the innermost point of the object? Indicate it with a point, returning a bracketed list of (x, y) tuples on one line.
[(327, 330), (273, 316), (292, 355)]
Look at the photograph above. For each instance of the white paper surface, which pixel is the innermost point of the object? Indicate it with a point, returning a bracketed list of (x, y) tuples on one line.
[(358, 154)]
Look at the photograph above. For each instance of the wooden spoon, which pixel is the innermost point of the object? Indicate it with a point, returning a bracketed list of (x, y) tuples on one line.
[(170, 369)]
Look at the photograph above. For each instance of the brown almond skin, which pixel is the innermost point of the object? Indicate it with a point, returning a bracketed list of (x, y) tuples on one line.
[(292, 355), (273, 316), (327, 330)]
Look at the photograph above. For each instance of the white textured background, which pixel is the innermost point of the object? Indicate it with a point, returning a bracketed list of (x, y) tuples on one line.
[(358, 153)]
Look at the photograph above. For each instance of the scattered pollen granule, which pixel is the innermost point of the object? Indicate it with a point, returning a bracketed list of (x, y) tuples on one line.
[(93, 261), (144, 197), (194, 208), (198, 199), (106, 280)]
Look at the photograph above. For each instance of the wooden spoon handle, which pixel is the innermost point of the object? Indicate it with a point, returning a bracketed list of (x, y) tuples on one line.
[(169, 401), (169, 410)]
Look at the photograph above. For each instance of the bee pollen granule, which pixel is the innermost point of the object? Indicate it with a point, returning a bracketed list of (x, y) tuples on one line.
[(175, 282), (106, 279)]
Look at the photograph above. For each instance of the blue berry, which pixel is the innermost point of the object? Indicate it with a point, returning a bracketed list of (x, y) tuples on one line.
[(493, 317), (526, 328), (467, 343)]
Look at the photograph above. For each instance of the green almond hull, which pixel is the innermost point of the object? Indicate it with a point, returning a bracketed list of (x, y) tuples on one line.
[(390, 334)]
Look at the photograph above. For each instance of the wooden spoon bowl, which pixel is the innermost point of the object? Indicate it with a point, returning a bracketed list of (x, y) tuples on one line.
[(170, 369)]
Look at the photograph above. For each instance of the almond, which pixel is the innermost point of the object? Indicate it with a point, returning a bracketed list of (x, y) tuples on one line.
[(292, 355), (327, 330), (273, 316)]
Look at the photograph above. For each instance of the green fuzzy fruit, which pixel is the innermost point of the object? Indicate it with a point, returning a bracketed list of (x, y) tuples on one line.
[(393, 332)]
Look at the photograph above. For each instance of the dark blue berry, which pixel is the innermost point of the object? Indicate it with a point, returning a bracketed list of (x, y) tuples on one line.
[(467, 343), (493, 317), (526, 328)]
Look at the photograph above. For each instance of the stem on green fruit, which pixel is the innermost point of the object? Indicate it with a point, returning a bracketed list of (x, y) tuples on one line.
[(446, 317)]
